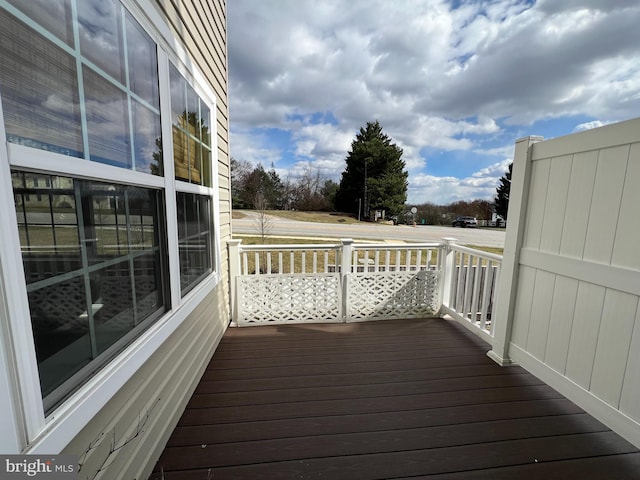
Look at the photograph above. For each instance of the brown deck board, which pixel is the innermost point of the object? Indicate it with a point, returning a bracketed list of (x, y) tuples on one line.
[(381, 400)]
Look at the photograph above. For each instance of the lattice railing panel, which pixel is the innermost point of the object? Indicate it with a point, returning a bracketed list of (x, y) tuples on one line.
[(393, 295), (296, 298)]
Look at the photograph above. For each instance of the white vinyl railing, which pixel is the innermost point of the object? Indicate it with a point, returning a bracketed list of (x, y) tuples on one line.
[(289, 259), (349, 282), (395, 258), (471, 279)]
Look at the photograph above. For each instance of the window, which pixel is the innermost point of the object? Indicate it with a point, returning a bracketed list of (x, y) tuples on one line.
[(97, 100), (191, 136), (194, 238), (82, 79), (95, 269), (39, 90)]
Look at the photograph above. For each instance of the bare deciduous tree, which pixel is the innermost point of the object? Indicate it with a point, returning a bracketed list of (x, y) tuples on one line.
[(263, 222)]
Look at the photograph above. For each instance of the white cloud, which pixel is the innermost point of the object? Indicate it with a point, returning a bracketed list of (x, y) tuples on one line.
[(250, 148), (460, 79), (589, 125)]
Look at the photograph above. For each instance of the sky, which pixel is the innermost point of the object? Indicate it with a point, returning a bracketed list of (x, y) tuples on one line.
[(454, 83)]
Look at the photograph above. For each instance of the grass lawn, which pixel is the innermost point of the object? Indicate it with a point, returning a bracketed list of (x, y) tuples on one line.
[(318, 217)]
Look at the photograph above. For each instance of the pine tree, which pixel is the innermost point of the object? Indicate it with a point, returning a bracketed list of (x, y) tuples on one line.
[(501, 201), (374, 177)]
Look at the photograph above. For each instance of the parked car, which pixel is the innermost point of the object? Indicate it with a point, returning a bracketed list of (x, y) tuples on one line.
[(465, 222)]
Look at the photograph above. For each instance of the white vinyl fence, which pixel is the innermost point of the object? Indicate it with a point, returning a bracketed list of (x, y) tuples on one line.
[(569, 308)]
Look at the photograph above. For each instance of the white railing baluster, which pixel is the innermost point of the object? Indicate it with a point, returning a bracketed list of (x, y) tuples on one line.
[(468, 286), (459, 306), (280, 263), (245, 263), (486, 293), (472, 292), (376, 262), (476, 290), (418, 260), (269, 262)]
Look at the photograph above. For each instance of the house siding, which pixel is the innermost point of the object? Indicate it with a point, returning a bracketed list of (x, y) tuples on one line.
[(142, 415)]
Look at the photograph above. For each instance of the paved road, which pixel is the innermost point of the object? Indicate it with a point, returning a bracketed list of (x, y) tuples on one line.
[(429, 233)]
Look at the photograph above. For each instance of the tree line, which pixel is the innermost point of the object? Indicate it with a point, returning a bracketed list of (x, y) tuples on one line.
[(257, 188), (374, 180)]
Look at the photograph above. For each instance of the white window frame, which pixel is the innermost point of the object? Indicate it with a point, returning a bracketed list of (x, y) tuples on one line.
[(28, 429)]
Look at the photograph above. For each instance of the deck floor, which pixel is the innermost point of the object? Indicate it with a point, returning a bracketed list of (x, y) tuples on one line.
[(381, 400)]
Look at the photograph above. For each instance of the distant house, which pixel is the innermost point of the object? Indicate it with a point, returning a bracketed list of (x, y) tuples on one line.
[(115, 212)]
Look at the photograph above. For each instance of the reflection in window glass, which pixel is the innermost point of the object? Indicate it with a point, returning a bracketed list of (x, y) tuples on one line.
[(147, 139), (100, 28), (146, 277), (180, 154), (143, 63), (53, 15), (195, 163), (115, 316), (204, 127), (39, 83), (178, 95), (60, 331), (39, 89), (190, 131), (46, 213), (207, 174), (105, 237), (194, 238), (107, 121), (93, 260)]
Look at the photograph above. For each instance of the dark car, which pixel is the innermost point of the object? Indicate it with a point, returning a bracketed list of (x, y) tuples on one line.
[(465, 222)]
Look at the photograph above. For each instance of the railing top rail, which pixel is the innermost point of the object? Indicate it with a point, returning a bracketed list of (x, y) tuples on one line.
[(307, 246), (396, 246), (477, 253)]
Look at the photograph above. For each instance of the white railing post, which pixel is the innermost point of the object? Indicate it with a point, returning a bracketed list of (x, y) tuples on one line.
[(346, 256), (234, 247), (502, 317), (448, 270)]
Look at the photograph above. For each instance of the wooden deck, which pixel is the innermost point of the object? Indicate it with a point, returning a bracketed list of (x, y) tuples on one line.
[(381, 400)]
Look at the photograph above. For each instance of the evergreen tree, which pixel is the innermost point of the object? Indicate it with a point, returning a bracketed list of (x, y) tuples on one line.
[(374, 177), (501, 201)]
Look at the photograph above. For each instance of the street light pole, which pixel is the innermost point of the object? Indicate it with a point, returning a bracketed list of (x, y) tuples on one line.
[(366, 204)]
